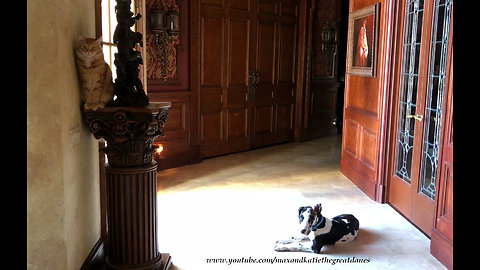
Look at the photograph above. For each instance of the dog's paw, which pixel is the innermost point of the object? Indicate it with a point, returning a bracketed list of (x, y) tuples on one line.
[(280, 247), (284, 242), (301, 238), (294, 246)]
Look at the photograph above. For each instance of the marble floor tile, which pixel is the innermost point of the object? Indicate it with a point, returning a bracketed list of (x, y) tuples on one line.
[(227, 212)]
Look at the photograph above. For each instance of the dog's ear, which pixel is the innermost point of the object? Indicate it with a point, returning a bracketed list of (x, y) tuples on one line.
[(318, 208), (301, 209)]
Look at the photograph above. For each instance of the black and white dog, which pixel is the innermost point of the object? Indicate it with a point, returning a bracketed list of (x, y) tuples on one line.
[(338, 230)]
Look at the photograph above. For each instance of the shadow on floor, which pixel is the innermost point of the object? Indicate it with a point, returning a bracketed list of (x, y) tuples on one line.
[(365, 238)]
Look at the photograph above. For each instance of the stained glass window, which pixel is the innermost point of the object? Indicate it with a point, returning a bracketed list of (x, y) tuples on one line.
[(434, 98), (408, 88)]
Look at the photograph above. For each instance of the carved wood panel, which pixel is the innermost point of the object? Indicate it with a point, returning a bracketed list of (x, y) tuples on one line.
[(224, 52), (350, 137), (277, 34), (368, 140), (177, 62), (263, 109), (235, 38)]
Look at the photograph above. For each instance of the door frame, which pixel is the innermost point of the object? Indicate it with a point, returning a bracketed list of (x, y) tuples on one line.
[(390, 109), (387, 84)]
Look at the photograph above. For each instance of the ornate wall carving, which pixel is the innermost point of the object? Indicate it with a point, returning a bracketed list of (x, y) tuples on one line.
[(326, 12), (154, 65)]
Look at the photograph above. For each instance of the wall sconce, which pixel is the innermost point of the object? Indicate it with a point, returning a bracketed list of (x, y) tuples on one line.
[(173, 23), (329, 37), (165, 25)]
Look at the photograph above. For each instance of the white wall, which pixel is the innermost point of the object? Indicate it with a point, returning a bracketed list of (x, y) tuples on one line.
[(63, 204)]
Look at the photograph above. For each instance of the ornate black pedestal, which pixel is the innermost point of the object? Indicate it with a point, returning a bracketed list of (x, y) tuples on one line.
[(131, 177)]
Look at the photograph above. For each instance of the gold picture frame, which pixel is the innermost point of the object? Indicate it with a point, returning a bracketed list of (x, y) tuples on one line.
[(362, 45)]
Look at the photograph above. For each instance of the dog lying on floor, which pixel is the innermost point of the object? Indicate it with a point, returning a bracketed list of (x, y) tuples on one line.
[(338, 230)]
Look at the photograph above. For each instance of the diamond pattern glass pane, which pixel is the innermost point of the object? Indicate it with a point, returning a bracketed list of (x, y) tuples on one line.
[(435, 92), (408, 88)]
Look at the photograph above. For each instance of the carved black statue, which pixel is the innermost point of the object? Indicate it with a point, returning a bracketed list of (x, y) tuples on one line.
[(128, 86)]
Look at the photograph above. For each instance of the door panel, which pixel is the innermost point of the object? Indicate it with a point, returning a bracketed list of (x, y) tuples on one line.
[(285, 117), (240, 4), (401, 195), (263, 105), (211, 79), (212, 51), (224, 56), (274, 100), (421, 72), (263, 120), (288, 35), (218, 3), (237, 123), (435, 92), (266, 52), (214, 123), (237, 89), (239, 30), (247, 73), (286, 88)]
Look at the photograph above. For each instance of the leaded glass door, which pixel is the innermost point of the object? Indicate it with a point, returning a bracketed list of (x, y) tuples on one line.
[(423, 49)]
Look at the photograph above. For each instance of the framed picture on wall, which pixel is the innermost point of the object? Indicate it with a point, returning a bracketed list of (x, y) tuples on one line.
[(362, 44)]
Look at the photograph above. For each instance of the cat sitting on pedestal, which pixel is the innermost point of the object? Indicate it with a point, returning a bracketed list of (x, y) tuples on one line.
[(97, 88)]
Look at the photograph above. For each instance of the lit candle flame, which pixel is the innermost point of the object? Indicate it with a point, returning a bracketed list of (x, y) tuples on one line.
[(159, 149)]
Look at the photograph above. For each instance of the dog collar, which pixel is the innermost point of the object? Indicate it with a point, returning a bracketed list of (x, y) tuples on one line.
[(316, 225)]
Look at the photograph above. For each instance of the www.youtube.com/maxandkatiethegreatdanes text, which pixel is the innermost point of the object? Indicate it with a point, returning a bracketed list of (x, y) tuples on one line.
[(275, 260)]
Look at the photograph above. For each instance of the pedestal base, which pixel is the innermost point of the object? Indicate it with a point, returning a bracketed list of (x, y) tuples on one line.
[(162, 263), (132, 219), (131, 183), (166, 261)]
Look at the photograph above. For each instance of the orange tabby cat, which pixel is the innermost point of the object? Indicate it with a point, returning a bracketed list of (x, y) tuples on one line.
[(95, 74)]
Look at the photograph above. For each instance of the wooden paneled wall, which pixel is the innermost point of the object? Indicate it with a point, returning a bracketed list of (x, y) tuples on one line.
[(176, 143), (178, 149), (442, 235), (365, 112)]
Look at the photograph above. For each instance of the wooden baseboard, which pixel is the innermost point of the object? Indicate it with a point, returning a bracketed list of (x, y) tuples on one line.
[(442, 249), (95, 260)]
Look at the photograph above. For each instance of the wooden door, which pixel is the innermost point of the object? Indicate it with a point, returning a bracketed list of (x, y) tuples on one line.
[(325, 115), (224, 48), (418, 127), (237, 38), (276, 36)]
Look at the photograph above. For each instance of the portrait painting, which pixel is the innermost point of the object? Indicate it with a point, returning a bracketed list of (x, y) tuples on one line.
[(362, 41)]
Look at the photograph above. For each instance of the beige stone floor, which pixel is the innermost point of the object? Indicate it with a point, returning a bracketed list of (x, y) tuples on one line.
[(236, 206)]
